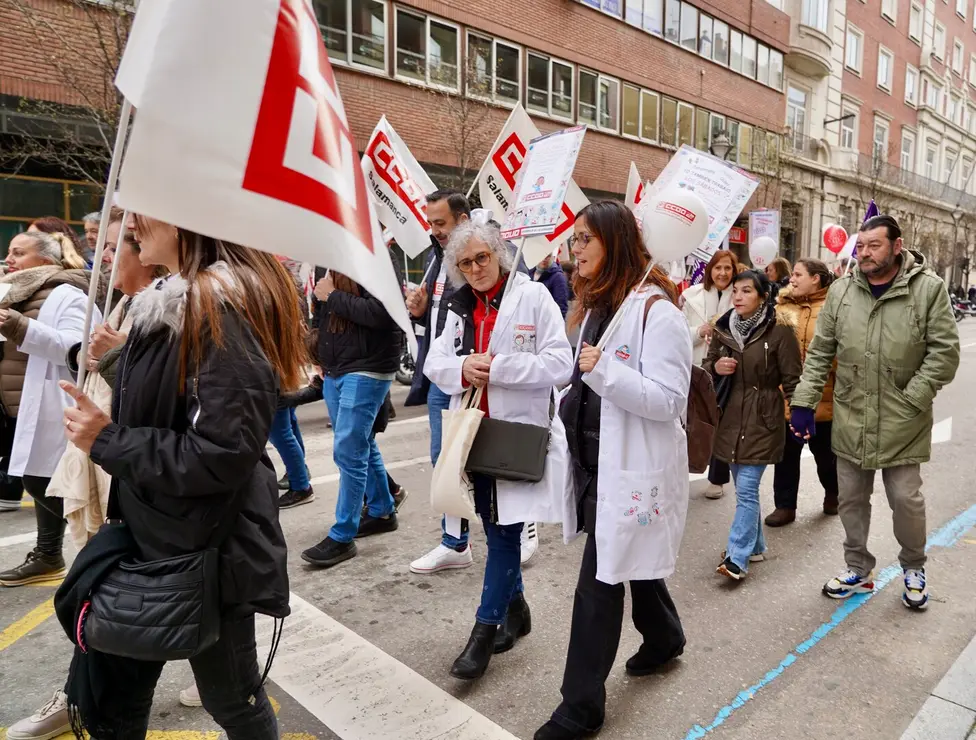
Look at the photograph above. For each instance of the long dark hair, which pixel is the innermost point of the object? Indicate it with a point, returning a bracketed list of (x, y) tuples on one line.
[(817, 268), (626, 261)]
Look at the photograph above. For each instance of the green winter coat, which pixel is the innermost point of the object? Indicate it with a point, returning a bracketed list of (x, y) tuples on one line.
[(893, 354)]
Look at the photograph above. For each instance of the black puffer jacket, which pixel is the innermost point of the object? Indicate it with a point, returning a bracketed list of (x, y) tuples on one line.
[(177, 460)]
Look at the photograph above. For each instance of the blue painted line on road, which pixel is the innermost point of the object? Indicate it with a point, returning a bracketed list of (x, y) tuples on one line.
[(946, 536)]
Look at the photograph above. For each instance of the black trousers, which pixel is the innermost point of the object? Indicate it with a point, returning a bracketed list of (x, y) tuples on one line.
[(49, 513), (226, 674), (718, 472), (786, 476), (598, 615)]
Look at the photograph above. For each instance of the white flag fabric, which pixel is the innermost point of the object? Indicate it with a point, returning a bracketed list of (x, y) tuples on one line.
[(399, 187), (241, 135), (635, 188), (499, 175)]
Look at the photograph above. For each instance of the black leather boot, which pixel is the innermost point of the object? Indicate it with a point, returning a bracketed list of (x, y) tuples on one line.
[(473, 661), (518, 623)]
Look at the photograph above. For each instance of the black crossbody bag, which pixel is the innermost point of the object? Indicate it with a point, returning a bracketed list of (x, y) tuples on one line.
[(510, 450)]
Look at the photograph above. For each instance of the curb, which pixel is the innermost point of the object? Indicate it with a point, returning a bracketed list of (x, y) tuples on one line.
[(950, 711)]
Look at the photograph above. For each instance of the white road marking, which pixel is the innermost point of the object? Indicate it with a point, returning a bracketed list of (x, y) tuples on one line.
[(333, 477), (358, 691), (18, 539), (941, 433)]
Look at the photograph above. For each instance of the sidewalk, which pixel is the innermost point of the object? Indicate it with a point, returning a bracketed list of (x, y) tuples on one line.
[(950, 712)]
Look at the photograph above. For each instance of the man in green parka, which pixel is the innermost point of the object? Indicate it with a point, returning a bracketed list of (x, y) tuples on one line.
[(889, 323)]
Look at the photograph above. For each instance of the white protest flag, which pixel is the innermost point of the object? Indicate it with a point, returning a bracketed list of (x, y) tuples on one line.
[(498, 179), (635, 188), (399, 187), (241, 135)]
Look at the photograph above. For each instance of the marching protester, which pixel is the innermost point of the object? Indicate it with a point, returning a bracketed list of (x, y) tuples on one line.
[(185, 446), (83, 486), (549, 273), (779, 271), (890, 327), (623, 415), (41, 318), (754, 359), (358, 351), (702, 305), (73, 248), (513, 350), (90, 223), (800, 305)]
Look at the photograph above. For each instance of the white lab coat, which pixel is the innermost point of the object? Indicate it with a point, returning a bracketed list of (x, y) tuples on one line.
[(39, 439), (701, 307), (643, 379), (531, 356)]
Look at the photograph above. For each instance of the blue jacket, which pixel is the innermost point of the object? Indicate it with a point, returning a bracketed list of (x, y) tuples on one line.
[(555, 281)]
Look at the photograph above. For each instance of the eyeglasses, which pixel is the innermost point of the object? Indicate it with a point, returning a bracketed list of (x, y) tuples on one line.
[(481, 259), (584, 238)]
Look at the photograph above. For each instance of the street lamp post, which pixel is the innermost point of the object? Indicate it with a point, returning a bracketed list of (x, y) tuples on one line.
[(721, 145), (956, 216)]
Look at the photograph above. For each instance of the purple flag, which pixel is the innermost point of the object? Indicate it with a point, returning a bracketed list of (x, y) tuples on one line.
[(698, 274)]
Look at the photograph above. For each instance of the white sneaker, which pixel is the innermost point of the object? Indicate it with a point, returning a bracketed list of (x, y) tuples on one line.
[(714, 492), (9, 505), (48, 722), (530, 541), (190, 697), (442, 558)]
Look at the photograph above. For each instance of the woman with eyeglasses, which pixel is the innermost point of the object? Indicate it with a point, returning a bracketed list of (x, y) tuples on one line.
[(623, 413), (514, 349)]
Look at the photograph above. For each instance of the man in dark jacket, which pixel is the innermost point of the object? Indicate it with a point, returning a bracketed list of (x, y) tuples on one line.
[(551, 274)]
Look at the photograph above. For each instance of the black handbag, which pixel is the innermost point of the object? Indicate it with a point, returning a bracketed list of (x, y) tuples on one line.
[(160, 610), (510, 450)]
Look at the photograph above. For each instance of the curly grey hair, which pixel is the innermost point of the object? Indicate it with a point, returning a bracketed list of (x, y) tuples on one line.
[(489, 234)]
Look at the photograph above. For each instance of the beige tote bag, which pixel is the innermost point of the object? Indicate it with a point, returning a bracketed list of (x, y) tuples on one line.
[(451, 492)]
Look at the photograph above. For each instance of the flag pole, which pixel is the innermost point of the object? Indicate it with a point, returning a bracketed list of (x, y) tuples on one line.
[(113, 180), (115, 265), (515, 264)]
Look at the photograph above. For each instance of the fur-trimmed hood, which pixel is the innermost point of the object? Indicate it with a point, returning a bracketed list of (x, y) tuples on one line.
[(163, 303)]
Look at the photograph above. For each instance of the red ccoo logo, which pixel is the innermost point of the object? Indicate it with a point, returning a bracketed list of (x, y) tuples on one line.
[(677, 210)]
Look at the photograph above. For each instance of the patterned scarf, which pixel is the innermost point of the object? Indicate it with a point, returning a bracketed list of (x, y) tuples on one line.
[(742, 328)]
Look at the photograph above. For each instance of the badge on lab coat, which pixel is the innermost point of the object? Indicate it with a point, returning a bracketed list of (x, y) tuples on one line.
[(524, 338)]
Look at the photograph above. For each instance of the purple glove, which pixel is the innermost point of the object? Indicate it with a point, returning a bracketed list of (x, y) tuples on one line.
[(803, 421)]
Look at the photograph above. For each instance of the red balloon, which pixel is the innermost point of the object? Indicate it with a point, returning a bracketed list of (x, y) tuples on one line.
[(834, 238)]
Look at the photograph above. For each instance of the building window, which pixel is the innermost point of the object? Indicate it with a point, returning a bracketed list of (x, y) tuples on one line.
[(550, 86), (646, 14), (720, 45), (848, 129), (796, 115), (956, 110), (889, 9), (958, 54), (961, 8), (650, 103), (972, 70), (930, 165), (427, 50), (749, 53), (744, 156), (610, 7), (911, 85), (689, 27), (967, 171), (631, 111), (886, 62), (672, 20), (354, 31), (950, 167), (762, 68), (915, 23), (705, 32), (736, 63), (677, 122), (853, 52), (933, 98), (775, 70), (495, 69), (907, 151), (879, 149), (814, 14), (702, 130), (598, 100), (939, 41)]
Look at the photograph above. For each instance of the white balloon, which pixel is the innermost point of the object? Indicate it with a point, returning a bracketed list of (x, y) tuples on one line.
[(762, 251), (848, 251), (674, 224)]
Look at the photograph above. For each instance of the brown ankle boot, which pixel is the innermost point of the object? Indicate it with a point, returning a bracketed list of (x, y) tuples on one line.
[(781, 517), (830, 504)]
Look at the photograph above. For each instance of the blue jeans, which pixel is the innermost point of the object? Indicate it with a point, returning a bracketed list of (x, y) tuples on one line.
[(353, 401), (503, 568), (287, 439), (438, 401), (746, 536)]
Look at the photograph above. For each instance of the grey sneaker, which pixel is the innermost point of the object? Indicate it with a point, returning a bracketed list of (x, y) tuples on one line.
[(47, 722), (36, 567)]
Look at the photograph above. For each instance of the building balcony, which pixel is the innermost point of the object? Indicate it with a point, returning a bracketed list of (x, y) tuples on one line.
[(800, 146), (877, 172), (810, 47)]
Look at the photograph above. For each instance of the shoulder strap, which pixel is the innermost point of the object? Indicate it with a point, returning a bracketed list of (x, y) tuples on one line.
[(650, 302)]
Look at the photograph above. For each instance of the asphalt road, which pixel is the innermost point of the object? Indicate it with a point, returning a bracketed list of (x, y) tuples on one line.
[(367, 653)]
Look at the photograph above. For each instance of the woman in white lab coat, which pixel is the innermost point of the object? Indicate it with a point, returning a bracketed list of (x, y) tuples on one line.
[(702, 305), (623, 415), (41, 317), (515, 348)]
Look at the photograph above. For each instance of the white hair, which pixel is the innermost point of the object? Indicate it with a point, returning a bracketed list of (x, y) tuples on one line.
[(488, 233), (92, 218), (47, 246)]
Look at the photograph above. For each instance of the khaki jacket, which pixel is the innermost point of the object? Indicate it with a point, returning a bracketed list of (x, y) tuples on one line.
[(802, 313)]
